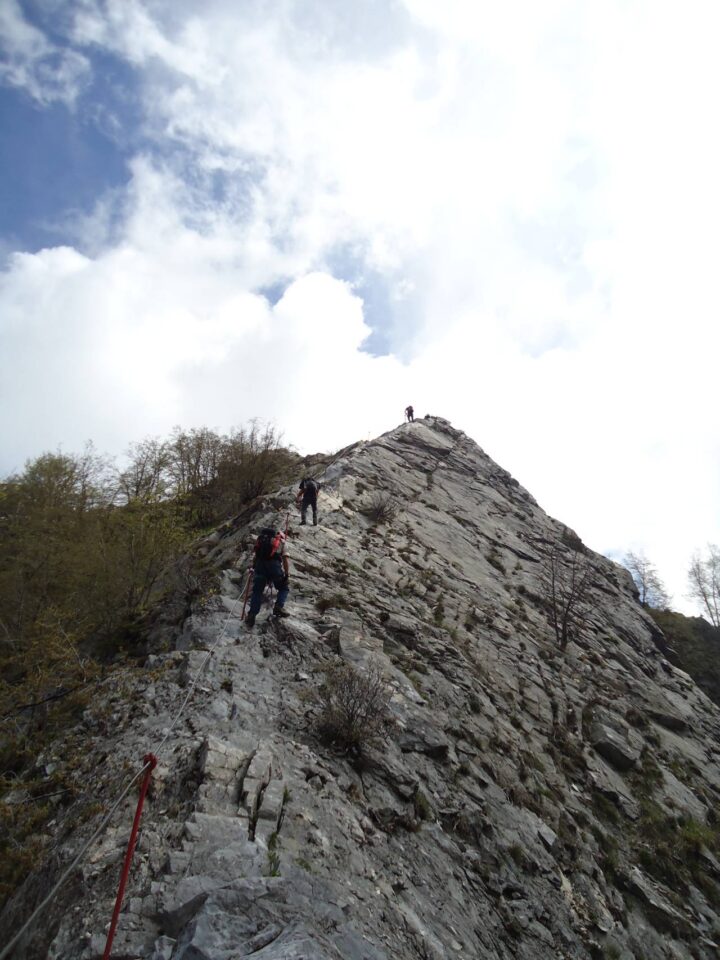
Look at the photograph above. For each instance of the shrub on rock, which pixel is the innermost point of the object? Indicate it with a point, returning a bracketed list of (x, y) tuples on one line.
[(355, 707)]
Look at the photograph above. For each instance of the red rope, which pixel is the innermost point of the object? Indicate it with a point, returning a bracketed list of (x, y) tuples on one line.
[(150, 762)]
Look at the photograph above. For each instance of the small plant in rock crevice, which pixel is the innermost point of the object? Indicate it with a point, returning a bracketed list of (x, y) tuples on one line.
[(495, 560), (381, 508), (355, 707), (336, 600), (423, 809), (273, 855), (648, 777)]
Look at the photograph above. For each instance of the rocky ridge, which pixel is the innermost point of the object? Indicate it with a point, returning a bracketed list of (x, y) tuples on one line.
[(529, 801)]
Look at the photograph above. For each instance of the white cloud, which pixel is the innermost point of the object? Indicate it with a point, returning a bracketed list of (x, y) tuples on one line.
[(44, 70), (532, 182)]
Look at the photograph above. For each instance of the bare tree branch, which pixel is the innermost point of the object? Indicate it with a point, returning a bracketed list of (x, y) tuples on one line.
[(704, 578), (565, 576)]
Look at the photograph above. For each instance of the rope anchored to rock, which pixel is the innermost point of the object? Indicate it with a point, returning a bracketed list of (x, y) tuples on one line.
[(149, 764)]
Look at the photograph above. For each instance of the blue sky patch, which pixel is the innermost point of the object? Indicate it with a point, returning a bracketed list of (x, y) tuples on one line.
[(391, 317), (58, 162)]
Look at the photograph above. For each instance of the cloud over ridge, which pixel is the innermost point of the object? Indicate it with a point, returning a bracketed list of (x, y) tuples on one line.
[(527, 191)]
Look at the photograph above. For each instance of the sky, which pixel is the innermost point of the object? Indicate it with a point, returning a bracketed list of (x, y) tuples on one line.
[(315, 212)]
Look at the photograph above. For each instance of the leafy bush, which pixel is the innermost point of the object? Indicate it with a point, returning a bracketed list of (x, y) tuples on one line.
[(355, 707)]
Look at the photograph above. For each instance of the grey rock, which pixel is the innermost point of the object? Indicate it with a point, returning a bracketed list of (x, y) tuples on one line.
[(502, 815), (661, 911), (163, 948), (612, 739)]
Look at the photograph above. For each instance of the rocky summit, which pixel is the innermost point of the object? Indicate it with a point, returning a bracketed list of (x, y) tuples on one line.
[(530, 777)]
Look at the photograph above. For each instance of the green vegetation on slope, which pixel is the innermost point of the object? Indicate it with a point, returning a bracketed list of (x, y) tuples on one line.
[(87, 553), (696, 648)]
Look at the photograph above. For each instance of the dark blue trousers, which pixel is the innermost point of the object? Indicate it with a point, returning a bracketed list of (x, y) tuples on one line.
[(268, 571), (309, 500)]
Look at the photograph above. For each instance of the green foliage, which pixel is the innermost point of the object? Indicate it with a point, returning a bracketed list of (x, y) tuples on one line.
[(25, 809), (86, 553), (518, 855), (648, 777), (273, 855), (533, 760), (21, 846), (609, 848), (423, 807), (213, 476), (695, 646), (694, 836), (337, 600), (568, 753), (670, 850)]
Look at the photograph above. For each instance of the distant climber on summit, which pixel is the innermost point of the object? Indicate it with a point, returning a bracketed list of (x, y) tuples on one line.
[(410, 414), (307, 497), (271, 566)]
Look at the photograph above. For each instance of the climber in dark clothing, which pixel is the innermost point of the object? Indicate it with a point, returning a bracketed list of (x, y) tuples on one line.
[(271, 566), (409, 413), (307, 497)]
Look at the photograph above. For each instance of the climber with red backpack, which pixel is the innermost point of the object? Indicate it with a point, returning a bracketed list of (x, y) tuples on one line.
[(270, 566)]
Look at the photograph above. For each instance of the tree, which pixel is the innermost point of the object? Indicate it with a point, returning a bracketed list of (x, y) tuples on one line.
[(253, 463), (565, 575), (44, 517), (704, 578), (650, 587), (127, 549), (146, 476)]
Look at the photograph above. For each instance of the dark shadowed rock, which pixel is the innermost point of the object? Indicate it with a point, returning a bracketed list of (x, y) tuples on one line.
[(613, 740)]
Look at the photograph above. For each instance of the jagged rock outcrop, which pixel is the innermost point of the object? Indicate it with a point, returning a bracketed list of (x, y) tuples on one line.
[(530, 800)]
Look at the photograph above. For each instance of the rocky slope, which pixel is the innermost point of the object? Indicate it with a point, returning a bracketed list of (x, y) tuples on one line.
[(529, 801)]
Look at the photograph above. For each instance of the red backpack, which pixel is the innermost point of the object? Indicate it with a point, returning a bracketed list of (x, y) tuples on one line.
[(268, 544)]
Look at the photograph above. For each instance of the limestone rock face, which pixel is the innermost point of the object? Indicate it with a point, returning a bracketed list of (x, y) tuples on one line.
[(613, 740), (530, 799)]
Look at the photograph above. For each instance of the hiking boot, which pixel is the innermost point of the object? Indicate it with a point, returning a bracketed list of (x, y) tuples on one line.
[(250, 620), (303, 523), (314, 521), (279, 612)]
